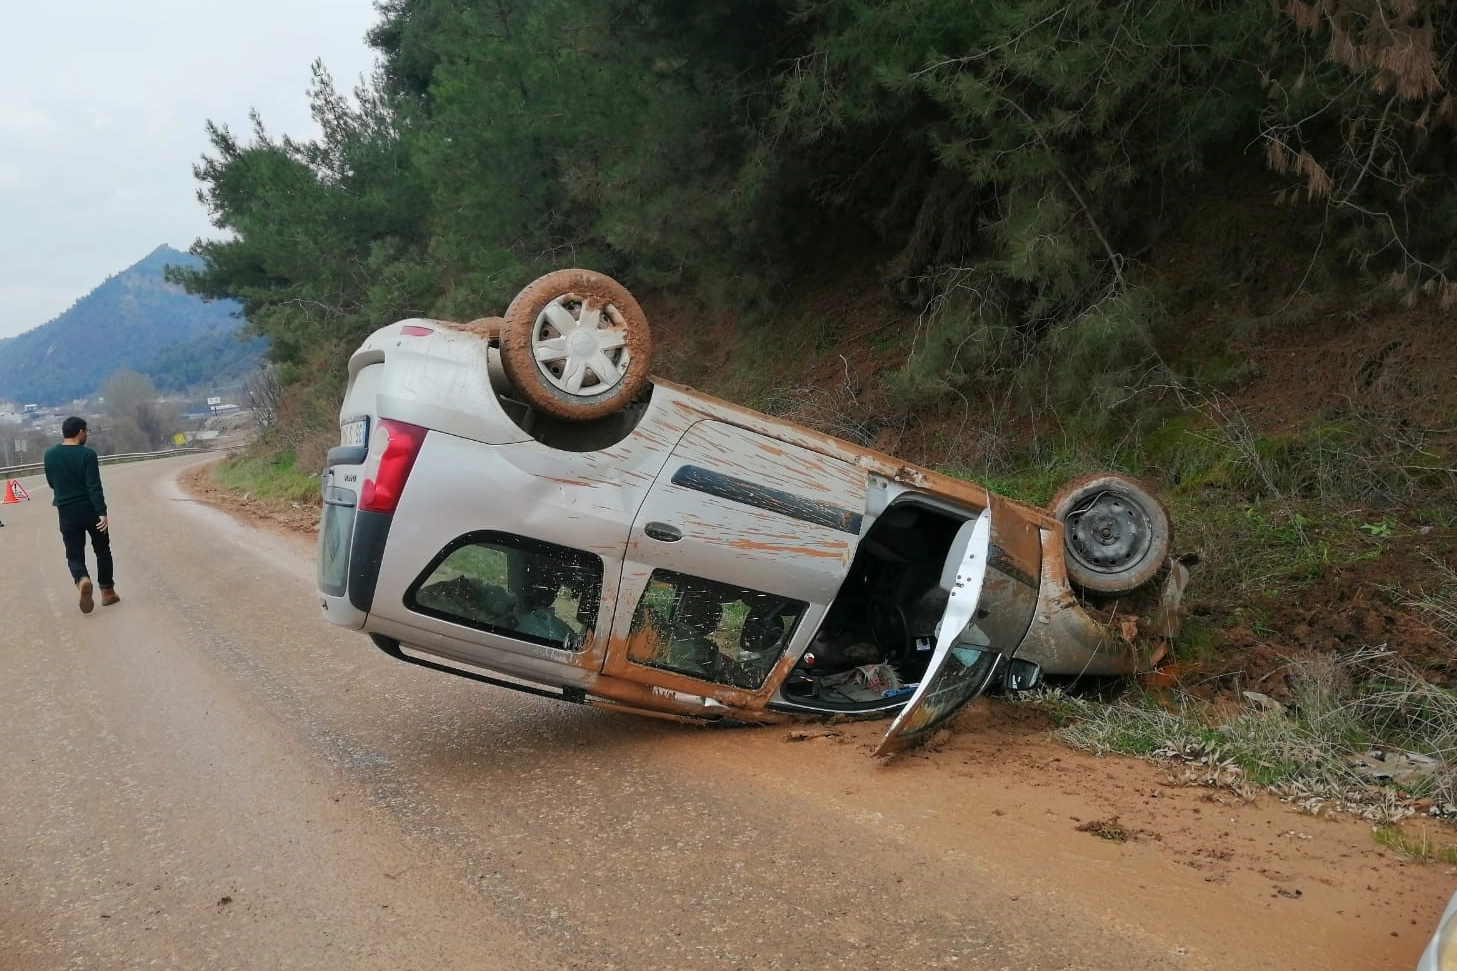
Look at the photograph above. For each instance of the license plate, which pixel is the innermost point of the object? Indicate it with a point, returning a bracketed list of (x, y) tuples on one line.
[(353, 434)]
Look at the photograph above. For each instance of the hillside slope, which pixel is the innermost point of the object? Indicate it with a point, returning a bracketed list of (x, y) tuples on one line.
[(136, 321)]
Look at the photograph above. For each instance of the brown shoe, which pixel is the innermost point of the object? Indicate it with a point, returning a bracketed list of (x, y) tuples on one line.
[(83, 586), (108, 596)]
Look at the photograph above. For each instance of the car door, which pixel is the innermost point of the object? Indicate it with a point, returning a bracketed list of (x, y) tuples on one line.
[(758, 531), (964, 662)]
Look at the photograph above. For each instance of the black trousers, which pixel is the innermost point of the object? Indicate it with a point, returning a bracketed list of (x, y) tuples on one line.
[(78, 520)]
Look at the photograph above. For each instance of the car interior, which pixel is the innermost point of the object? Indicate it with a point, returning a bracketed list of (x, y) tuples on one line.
[(879, 635)]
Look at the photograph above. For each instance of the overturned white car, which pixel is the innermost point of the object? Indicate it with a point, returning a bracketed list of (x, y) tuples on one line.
[(516, 501)]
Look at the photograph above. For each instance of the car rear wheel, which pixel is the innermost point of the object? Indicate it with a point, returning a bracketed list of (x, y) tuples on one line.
[(576, 345), (1116, 534)]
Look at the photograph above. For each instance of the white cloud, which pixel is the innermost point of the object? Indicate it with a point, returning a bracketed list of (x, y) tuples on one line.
[(102, 114), (21, 119)]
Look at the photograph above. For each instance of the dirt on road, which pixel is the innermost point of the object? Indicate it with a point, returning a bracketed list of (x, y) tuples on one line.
[(1229, 881)]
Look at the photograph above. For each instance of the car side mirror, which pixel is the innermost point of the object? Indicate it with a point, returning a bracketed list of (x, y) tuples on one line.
[(1021, 675)]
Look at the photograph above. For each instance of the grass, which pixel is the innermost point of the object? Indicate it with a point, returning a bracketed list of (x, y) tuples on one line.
[(1440, 607), (1418, 847), (1308, 751), (269, 477)]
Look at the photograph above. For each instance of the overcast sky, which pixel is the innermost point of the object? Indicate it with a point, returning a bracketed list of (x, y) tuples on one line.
[(102, 108)]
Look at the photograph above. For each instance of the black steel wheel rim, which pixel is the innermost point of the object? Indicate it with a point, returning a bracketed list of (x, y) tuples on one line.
[(1109, 534)]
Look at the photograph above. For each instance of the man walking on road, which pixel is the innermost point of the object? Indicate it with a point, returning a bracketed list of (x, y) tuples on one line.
[(74, 475)]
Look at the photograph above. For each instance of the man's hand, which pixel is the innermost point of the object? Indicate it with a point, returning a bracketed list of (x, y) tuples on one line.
[(101, 525)]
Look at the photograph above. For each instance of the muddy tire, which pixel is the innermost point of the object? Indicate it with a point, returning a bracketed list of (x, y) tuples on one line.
[(1116, 534), (576, 345)]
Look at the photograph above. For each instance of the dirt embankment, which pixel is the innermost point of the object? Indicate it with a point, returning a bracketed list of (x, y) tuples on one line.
[(294, 518)]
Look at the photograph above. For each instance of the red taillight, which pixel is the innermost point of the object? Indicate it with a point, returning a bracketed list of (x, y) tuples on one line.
[(415, 330), (389, 464)]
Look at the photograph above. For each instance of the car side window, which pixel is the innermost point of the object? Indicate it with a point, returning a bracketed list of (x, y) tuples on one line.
[(711, 631), (522, 588)]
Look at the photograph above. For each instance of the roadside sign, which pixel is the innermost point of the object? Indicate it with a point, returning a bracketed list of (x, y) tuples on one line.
[(20, 445), (179, 439)]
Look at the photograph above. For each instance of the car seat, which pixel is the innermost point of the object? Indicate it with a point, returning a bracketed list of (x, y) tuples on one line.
[(691, 648)]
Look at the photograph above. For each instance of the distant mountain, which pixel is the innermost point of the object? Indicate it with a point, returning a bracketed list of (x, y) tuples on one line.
[(134, 321)]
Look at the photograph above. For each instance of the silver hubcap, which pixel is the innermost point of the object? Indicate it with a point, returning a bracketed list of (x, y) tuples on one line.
[(1109, 533), (580, 346)]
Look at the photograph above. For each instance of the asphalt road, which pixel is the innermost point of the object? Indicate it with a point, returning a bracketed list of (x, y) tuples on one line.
[(206, 776)]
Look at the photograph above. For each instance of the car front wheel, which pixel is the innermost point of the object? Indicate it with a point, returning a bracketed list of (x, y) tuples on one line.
[(1116, 534)]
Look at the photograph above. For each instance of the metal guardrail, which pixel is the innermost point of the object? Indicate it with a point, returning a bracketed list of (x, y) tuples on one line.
[(15, 471)]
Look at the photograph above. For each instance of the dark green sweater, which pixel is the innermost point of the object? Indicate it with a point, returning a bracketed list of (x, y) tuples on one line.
[(74, 475)]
